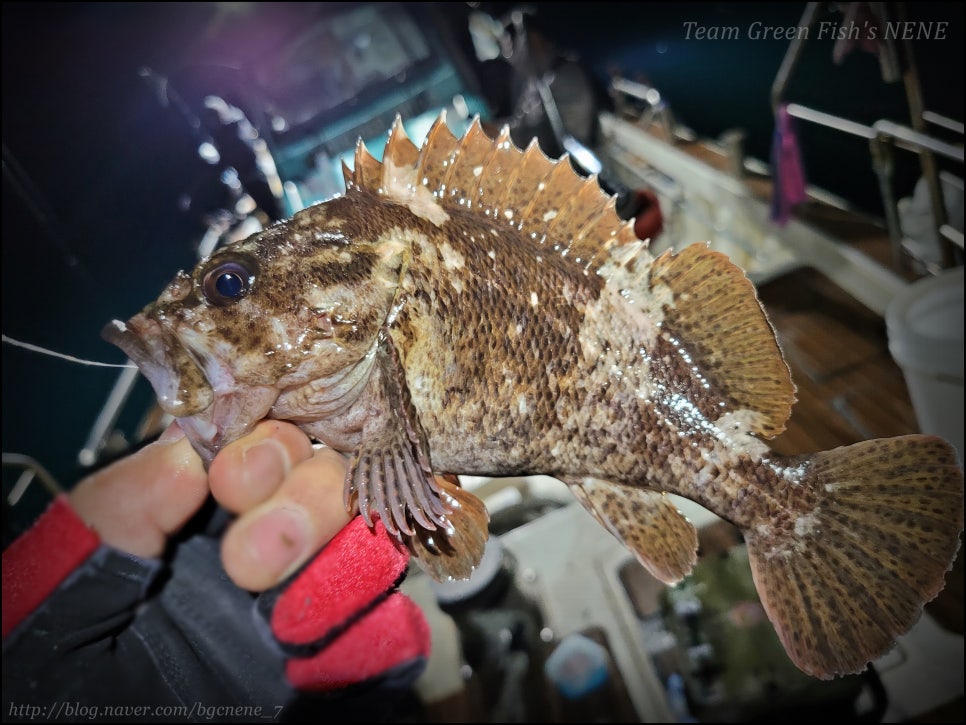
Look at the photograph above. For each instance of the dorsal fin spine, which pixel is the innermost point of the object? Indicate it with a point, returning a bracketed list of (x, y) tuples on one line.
[(539, 197), (399, 163), (437, 156), (367, 173)]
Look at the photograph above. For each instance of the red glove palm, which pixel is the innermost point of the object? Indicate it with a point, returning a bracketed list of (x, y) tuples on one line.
[(341, 619)]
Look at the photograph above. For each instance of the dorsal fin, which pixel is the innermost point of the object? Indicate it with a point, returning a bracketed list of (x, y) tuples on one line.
[(367, 171), (559, 186), (437, 155), (499, 171), (714, 310), (399, 159), (586, 206), (535, 167), (462, 178), (544, 199)]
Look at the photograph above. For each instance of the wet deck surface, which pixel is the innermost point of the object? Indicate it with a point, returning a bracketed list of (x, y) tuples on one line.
[(849, 386)]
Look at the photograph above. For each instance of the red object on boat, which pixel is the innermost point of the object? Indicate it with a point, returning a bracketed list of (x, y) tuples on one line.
[(649, 221)]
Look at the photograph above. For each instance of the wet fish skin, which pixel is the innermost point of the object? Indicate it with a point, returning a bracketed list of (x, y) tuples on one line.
[(471, 308)]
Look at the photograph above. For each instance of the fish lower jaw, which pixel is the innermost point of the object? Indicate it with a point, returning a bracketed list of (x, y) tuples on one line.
[(206, 438)]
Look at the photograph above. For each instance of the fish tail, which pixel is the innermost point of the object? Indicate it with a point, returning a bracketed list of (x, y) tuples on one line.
[(851, 571)]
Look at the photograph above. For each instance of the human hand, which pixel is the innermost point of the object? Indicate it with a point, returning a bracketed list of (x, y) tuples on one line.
[(137, 502), (339, 618), (332, 601), (288, 498)]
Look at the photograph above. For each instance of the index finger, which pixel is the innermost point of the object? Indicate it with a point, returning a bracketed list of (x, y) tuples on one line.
[(248, 472)]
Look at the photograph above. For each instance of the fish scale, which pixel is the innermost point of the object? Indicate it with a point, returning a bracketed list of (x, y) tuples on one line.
[(468, 307)]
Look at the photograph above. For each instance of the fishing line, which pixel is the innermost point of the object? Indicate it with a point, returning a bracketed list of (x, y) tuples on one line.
[(70, 358)]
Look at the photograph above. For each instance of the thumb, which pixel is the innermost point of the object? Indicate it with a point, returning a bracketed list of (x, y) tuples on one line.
[(135, 503)]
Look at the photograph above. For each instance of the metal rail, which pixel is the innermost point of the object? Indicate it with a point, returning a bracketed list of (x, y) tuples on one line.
[(885, 135), (32, 470), (882, 136)]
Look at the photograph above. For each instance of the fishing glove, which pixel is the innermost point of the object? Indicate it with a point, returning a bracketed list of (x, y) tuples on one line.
[(341, 620), (100, 634)]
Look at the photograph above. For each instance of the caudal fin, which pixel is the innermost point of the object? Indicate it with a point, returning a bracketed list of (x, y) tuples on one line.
[(848, 577)]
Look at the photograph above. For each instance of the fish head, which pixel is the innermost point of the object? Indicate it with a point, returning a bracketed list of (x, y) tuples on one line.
[(290, 305)]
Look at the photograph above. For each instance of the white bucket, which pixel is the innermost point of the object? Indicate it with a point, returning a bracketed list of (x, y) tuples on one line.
[(925, 328)]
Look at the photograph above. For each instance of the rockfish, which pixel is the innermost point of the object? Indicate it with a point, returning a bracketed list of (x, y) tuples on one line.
[(469, 307)]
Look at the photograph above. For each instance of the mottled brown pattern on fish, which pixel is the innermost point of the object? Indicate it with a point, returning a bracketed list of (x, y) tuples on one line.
[(532, 361), (470, 308), (469, 360)]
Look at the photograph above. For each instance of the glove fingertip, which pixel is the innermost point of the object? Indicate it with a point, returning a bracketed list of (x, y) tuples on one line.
[(354, 570), (392, 640)]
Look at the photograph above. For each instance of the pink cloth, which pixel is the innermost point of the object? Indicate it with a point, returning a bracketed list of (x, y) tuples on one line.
[(788, 176), (862, 21)]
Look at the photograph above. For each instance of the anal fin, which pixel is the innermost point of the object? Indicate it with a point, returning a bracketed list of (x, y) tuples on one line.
[(646, 522)]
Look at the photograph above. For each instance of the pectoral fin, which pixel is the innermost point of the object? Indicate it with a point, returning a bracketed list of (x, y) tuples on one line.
[(646, 522), (453, 552), (391, 477)]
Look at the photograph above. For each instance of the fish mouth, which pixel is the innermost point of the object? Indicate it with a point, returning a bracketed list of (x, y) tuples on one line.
[(212, 408), (178, 381)]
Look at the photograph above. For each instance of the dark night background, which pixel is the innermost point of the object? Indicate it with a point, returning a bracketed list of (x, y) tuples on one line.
[(94, 167)]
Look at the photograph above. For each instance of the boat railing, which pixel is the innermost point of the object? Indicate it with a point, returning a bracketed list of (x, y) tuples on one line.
[(937, 119), (32, 470), (901, 136), (884, 136)]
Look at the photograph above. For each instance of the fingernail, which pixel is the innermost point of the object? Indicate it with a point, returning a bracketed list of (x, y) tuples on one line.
[(279, 540), (264, 465)]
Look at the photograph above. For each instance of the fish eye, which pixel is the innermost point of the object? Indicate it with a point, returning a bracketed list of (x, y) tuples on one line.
[(226, 283)]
